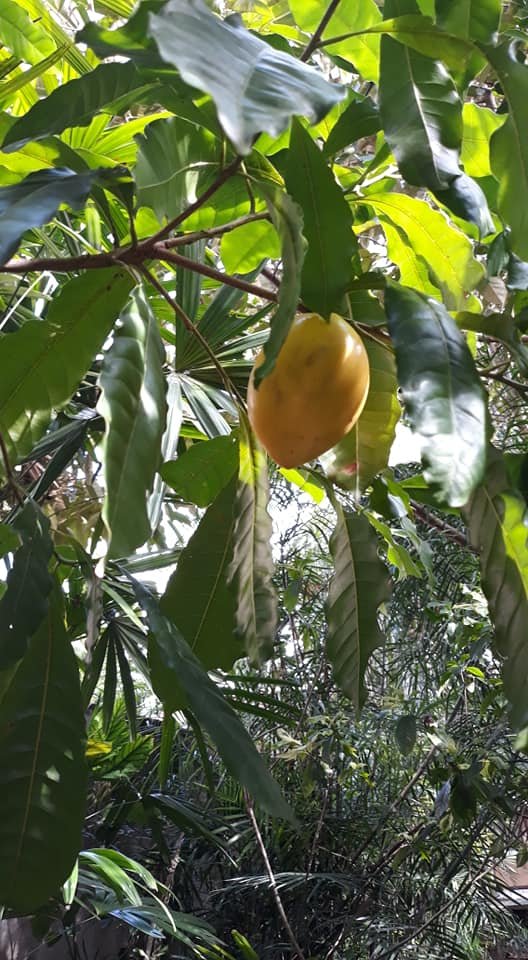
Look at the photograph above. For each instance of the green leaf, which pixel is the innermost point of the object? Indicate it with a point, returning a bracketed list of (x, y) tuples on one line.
[(255, 88), (509, 145), (496, 515), (361, 50), (364, 451), (43, 362), (441, 391), (287, 218), (25, 601), (359, 585), (244, 248), (360, 119), (252, 566), (197, 598), (479, 126), (9, 539), (473, 19), (397, 554), (42, 770), (24, 37), (212, 711), (35, 200), (327, 219), (498, 326), (110, 88), (444, 248), (199, 474), (420, 111), (405, 734), (414, 270), (466, 199), (134, 408), (420, 34)]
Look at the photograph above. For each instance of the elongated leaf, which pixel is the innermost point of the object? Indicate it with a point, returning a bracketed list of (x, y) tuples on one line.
[(286, 215), (252, 564), (26, 39), (9, 539), (473, 19), (202, 472), (420, 110), (134, 408), (359, 585), (446, 250), (496, 515), (442, 393), (365, 450), (255, 88), (360, 50), (360, 119), (479, 126), (35, 200), (509, 145), (43, 362), (421, 34), (25, 601), (111, 86), (405, 733), (327, 225), (197, 598), (211, 709), (42, 770)]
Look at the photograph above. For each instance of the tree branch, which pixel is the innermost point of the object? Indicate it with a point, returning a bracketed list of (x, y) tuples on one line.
[(315, 42), (224, 175), (162, 253)]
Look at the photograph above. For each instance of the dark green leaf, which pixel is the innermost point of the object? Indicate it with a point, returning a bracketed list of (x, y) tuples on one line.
[(127, 683), (255, 88), (110, 684), (134, 408), (360, 119), (252, 565), (130, 40), (327, 219), (199, 474), (496, 516), (466, 199), (210, 708), (441, 391), (35, 200), (472, 19), (405, 733), (421, 35), (43, 362), (25, 601), (42, 770), (359, 585), (9, 539)]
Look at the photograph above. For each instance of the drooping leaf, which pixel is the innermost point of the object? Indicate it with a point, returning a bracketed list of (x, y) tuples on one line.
[(496, 516), (252, 564), (110, 88), (9, 539), (467, 200), (255, 88), (420, 110), (360, 119), (202, 472), (134, 408), (364, 451), (420, 34), (42, 770), (327, 225), (441, 391), (43, 362), (359, 585), (509, 145), (181, 666), (25, 601), (405, 733), (447, 252), (35, 200), (287, 218), (500, 327), (361, 50), (244, 248), (130, 40), (473, 19), (197, 598)]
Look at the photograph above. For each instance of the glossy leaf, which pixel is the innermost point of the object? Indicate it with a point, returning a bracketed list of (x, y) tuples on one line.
[(35, 200), (245, 248), (360, 119), (111, 87), (359, 585), (252, 565), (43, 362), (441, 391), (197, 598), (467, 200), (179, 665), (364, 451), (199, 474), (255, 88), (25, 601), (42, 770), (327, 225), (134, 408), (496, 516), (509, 145), (473, 19), (362, 50)]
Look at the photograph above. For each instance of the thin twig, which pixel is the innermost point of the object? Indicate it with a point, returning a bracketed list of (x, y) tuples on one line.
[(273, 883), (162, 253), (315, 42), (222, 177), (186, 238)]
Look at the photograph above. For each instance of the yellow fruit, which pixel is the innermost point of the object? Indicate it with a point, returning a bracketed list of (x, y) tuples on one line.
[(314, 394)]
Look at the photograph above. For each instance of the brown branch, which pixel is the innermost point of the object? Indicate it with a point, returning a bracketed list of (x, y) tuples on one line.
[(315, 42), (222, 177), (185, 238), (162, 253)]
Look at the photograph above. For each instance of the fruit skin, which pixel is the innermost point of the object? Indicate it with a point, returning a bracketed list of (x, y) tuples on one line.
[(314, 394)]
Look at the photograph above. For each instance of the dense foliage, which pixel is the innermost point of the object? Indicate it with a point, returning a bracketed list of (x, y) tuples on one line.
[(311, 705)]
